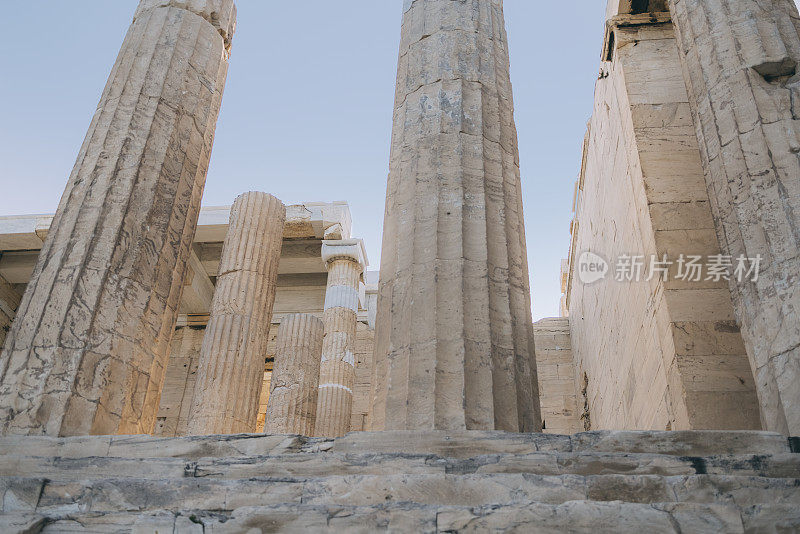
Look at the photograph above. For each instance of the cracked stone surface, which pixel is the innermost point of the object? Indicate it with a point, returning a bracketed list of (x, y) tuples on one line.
[(87, 351), (454, 337), (729, 482)]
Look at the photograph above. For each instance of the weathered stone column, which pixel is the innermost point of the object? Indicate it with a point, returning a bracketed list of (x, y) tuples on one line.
[(454, 337), (345, 261), (87, 351), (232, 358), (292, 404), (740, 61)]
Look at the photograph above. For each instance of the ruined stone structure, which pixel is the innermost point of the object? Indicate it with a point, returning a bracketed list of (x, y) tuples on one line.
[(292, 405), (454, 337), (681, 364), (556, 369), (656, 402), (690, 151), (90, 342), (231, 365), (301, 288)]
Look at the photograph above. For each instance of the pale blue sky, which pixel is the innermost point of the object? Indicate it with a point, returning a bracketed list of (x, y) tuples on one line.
[(307, 109)]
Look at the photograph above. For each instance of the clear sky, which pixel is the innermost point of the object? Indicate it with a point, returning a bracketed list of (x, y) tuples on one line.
[(308, 106)]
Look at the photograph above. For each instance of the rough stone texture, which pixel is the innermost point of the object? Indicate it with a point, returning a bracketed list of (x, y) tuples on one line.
[(231, 367), (362, 390), (454, 338), (345, 261), (177, 395), (650, 354), (579, 517), (556, 370), (740, 61), (88, 349), (9, 302), (729, 482), (292, 404)]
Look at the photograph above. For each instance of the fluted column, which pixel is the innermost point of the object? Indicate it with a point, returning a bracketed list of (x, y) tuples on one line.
[(345, 261), (292, 404), (454, 336), (231, 367), (87, 351), (740, 59)]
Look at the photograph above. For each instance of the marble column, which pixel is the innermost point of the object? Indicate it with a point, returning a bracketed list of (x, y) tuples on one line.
[(87, 351), (292, 404), (232, 359), (345, 261), (740, 61), (454, 335)]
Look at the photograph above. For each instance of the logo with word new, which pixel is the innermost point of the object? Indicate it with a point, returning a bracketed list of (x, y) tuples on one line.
[(591, 267)]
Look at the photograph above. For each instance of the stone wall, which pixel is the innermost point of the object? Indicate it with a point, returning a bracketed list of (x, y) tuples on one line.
[(9, 302), (656, 354), (177, 394), (556, 367), (364, 353)]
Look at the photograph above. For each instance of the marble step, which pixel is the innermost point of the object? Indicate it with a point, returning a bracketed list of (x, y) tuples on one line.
[(460, 444), (27, 494), (322, 464), (576, 517)]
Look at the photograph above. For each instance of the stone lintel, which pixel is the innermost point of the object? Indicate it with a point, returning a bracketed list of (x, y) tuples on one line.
[(616, 26), (314, 220), (623, 7)]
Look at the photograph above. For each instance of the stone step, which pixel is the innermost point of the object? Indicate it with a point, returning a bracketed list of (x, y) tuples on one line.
[(128, 494), (459, 444), (575, 516), (322, 464), (231, 446), (468, 444)]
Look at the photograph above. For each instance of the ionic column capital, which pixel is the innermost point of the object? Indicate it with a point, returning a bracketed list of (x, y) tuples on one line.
[(344, 249)]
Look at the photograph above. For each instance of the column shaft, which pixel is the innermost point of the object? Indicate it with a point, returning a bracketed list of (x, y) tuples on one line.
[(292, 404), (87, 352), (337, 370), (454, 336), (740, 62), (232, 358)]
